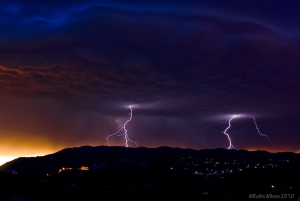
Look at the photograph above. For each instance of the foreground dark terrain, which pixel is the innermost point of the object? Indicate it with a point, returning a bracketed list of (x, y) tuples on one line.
[(118, 173)]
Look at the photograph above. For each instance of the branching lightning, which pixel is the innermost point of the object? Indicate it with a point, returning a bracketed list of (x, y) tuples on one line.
[(264, 135), (223, 122), (123, 127), (229, 125)]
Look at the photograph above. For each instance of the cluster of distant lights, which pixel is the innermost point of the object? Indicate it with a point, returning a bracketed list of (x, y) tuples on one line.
[(127, 139)]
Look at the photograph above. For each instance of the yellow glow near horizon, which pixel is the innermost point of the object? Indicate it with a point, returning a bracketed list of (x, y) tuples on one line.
[(9, 153), (10, 150), (4, 159)]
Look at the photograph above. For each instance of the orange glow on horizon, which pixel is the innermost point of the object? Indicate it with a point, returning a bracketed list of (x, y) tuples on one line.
[(4, 159), (9, 153)]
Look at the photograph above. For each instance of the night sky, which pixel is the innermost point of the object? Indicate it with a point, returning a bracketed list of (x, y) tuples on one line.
[(69, 70)]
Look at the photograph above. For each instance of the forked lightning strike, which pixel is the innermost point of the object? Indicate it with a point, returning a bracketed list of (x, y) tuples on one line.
[(229, 125), (257, 128), (264, 135), (123, 127), (223, 122)]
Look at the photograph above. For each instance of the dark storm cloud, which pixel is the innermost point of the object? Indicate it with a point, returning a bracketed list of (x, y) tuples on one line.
[(188, 59)]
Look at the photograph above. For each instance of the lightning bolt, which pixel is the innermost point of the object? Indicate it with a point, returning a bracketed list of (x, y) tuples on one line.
[(123, 127), (229, 125), (264, 135), (223, 122)]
